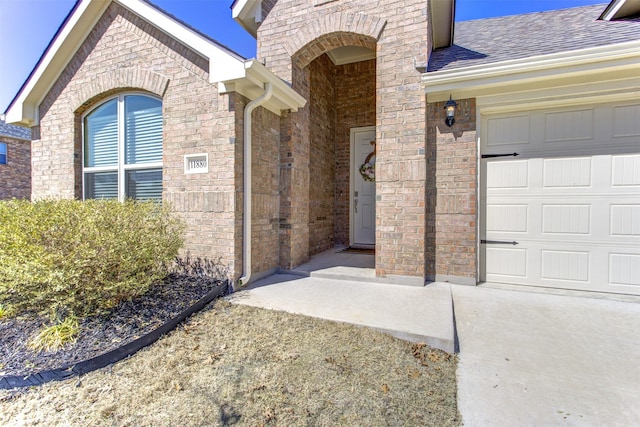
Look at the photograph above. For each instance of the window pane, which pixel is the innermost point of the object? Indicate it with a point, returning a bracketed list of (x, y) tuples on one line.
[(143, 129), (101, 185), (3, 153), (144, 184), (101, 136)]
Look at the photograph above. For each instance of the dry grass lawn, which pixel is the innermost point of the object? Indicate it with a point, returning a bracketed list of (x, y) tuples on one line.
[(238, 365)]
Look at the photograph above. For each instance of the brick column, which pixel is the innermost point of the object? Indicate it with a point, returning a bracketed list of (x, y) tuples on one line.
[(400, 135), (294, 179)]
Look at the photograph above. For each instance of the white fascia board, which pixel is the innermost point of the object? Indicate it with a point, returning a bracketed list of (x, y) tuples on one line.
[(612, 9), (244, 13), (539, 68), (250, 82), (442, 22), (219, 58), (24, 108)]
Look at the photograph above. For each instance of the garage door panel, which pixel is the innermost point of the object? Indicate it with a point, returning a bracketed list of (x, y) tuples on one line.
[(626, 170), (507, 218), (565, 265), (504, 175), (625, 220), (512, 130), (566, 219), (507, 263), (571, 200), (624, 270), (568, 172), (573, 125), (625, 121)]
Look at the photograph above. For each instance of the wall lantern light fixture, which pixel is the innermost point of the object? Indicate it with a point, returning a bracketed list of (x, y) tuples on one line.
[(450, 111)]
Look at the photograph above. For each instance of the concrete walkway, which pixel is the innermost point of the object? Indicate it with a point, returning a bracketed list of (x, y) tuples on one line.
[(419, 314), (526, 358)]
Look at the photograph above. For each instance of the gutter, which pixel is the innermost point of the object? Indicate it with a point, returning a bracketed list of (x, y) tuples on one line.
[(247, 199)]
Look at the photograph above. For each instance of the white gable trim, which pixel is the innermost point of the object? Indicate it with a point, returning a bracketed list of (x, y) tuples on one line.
[(24, 109), (248, 13), (619, 9)]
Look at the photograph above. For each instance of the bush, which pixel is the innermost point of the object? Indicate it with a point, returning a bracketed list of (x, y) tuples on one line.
[(77, 258)]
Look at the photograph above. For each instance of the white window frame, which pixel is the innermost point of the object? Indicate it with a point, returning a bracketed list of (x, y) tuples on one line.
[(122, 167)]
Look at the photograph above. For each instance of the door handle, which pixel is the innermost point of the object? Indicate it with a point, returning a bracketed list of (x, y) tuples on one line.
[(355, 205)]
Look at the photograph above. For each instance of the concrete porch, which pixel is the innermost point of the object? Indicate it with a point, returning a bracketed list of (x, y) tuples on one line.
[(341, 286)]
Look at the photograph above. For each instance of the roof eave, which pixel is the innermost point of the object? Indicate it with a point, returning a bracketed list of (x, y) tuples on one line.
[(466, 81), (251, 81), (24, 108), (244, 12), (619, 9), (442, 22)]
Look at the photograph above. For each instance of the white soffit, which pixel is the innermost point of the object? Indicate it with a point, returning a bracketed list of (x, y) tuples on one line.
[(248, 13), (251, 81), (442, 16), (24, 108), (619, 9), (348, 54), (582, 67)]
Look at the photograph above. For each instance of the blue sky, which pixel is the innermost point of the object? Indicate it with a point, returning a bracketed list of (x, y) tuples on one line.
[(27, 26)]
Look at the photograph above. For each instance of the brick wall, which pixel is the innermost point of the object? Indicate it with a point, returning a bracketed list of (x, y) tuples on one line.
[(294, 179), (291, 36), (355, 107), (266, 191), (15, 176), (452, 194), (322, 185), (124, 53)]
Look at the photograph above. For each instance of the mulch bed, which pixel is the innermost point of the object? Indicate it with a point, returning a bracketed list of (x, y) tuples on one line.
[(100, 334)]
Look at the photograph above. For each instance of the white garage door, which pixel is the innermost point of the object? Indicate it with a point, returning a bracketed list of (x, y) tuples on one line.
[(564, 213)]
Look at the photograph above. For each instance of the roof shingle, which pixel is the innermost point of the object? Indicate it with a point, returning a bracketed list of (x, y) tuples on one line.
[(13, 131), (486, 41)]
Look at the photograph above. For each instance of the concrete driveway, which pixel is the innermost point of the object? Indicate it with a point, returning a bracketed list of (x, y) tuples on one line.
[(534, 359)]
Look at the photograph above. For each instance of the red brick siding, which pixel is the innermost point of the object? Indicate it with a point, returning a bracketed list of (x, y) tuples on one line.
[(452, 193), (398, 31), (355, 107), (322, 184), (294, 179), (124, 53), (266, 191), (15, 176)]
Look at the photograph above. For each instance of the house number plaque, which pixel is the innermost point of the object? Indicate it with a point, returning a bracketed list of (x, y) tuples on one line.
[(196, 163)]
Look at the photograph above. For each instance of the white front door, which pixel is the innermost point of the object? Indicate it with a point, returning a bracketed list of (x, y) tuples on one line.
[(363, 191)]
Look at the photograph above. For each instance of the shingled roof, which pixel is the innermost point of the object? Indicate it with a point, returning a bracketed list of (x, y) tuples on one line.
[(487, 41), (12, 131)]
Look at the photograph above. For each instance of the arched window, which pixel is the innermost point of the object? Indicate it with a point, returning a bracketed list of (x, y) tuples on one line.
[(123, 149)]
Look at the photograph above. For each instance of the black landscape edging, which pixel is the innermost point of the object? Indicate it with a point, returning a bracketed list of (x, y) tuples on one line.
[(113, 356)]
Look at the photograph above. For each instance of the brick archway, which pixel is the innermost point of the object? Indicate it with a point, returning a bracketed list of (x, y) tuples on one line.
[(331, 31), (124, 78)]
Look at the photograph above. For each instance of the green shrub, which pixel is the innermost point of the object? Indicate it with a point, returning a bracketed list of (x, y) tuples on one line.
[(81, 257)]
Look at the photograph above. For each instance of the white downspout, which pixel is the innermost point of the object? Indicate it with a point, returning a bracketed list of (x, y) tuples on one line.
[(246, 229)]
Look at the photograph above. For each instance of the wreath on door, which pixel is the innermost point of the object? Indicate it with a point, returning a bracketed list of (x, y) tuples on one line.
[(368, 168)]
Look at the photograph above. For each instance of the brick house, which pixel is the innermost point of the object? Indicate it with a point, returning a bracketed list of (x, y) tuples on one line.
[(130, 102), (15, 162)]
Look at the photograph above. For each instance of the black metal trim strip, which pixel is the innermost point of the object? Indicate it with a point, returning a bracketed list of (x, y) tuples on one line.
[(498, 242), (112, 356), (491, 156)]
